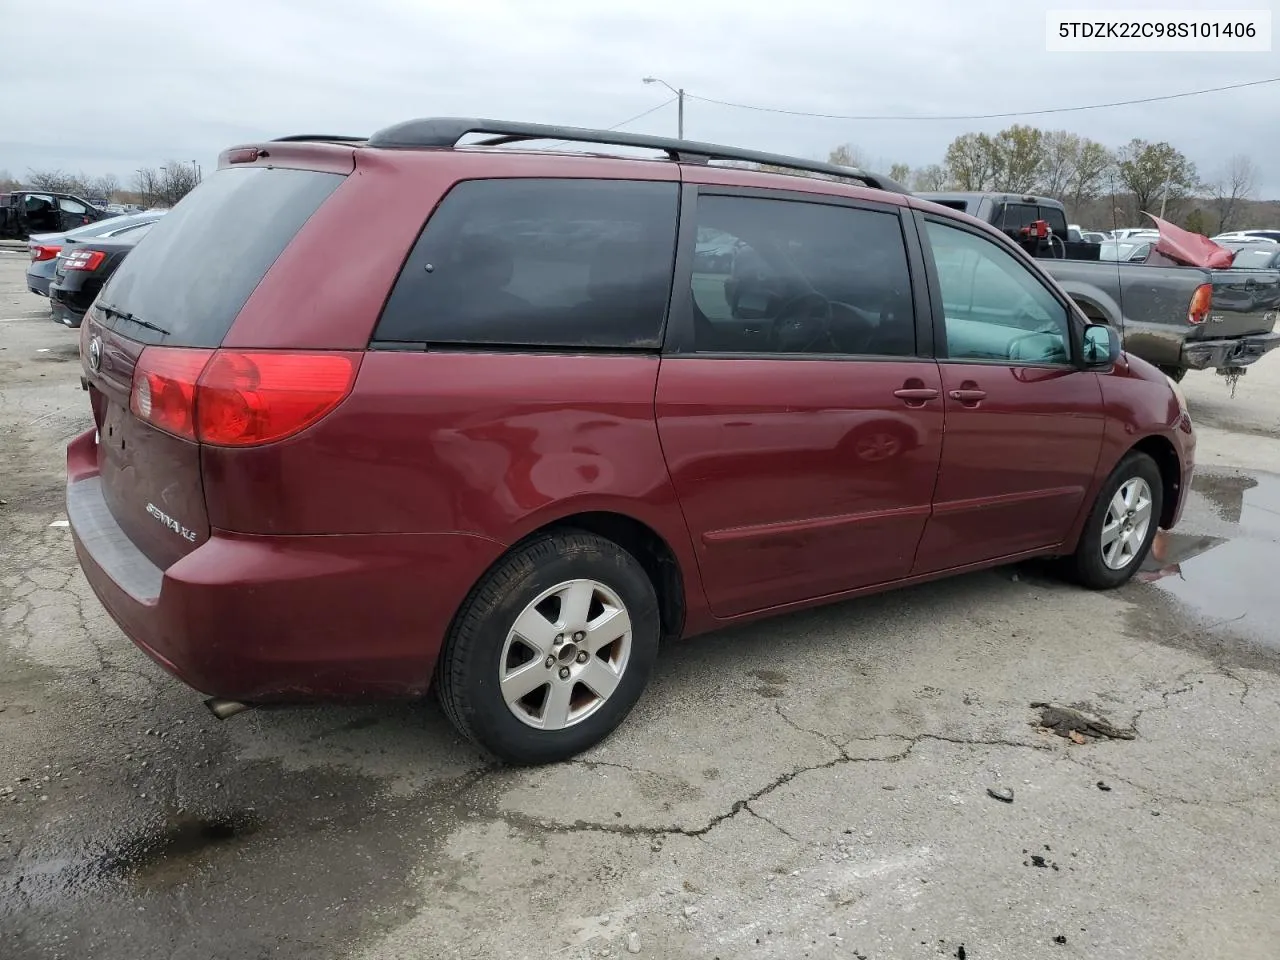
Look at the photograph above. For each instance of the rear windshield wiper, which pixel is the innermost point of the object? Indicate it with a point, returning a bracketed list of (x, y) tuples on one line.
[(115, 312)]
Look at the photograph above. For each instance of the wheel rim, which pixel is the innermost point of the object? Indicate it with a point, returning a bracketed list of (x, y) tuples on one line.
[(565, 654), (1124, 529)]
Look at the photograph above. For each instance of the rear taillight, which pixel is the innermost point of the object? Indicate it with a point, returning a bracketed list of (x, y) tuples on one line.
[(164, 388), (40, 252), (1201, 304), (251, 398), (83, 260), (231, 398)]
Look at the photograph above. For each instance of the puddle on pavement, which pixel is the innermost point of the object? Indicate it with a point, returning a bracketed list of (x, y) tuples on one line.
[(185, 840), (1227, 580)]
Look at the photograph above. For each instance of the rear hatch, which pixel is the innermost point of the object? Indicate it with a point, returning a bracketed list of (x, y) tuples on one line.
[(1244, 302), (152, 332)]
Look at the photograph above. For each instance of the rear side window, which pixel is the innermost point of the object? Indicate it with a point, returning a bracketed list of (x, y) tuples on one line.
[(204, 257), (1057, 221), (540, 262), (1015, 216), (788, 277)]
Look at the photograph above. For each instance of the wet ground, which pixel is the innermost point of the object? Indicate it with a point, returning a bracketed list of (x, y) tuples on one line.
[(831, 784)]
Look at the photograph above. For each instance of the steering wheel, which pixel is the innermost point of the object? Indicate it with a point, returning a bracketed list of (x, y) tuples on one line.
[(802, 323)]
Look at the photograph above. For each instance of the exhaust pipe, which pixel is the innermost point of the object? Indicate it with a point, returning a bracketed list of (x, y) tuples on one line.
[(225, 709)]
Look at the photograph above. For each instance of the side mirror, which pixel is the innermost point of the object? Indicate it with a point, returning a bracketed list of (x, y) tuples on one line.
[(1101, 345)]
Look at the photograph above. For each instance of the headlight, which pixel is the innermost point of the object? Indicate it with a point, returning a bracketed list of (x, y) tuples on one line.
[(1182, 397)]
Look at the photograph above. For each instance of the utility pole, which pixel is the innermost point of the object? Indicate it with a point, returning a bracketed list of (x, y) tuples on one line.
[(1164, 199), (679, 103)]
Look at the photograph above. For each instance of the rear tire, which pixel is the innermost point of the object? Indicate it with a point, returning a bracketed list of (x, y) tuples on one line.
[(1174, 373), (551, 649), (1121, 526)]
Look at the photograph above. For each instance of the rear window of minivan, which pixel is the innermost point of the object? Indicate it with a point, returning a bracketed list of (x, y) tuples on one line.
[(204, 257)]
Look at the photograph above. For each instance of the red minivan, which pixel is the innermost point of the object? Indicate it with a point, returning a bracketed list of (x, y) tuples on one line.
[(379, 414)]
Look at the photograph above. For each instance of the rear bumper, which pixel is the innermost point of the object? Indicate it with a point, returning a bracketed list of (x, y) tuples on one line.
[(1236, 352), (38, 285), (69, 306), (278, 618)]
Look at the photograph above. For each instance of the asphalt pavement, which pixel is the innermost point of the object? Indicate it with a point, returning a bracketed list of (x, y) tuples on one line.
[(868, 780)]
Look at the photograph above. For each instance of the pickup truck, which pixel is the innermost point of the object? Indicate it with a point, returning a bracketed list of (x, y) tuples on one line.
[(25, 212), (1177, 317)]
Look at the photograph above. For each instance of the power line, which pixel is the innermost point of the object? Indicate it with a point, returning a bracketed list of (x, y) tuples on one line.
[(638, 116), (665, 103), (983, 116)]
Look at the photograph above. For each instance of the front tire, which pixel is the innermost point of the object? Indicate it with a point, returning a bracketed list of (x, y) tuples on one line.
[(551, 650), (1121, 526)]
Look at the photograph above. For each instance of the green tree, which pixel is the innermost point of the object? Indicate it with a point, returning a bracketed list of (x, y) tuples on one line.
[(1093, 169), (1154, 172), (1061, 150), (1197, 222), (973, 162), (900, 172), (1019, 158)]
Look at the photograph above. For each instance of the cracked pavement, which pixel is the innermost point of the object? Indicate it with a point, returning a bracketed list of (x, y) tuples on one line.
[(813, 786)]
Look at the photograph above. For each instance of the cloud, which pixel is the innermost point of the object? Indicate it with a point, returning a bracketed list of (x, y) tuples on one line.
[(158, 81)]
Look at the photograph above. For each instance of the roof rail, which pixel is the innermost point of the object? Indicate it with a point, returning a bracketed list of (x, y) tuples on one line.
[(447, 131), (323, 137)]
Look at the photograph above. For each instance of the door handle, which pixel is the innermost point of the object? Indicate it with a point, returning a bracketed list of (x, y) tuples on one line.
[(916, 394), (968, 396)]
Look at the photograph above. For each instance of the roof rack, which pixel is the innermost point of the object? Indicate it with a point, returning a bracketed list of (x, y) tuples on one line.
[(447, 131)]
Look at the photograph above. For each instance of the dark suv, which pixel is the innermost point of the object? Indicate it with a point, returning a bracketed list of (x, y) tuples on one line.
[(544, 410)]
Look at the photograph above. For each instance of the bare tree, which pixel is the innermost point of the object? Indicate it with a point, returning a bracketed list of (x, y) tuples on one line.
[(103, 187), (55, 181), (7, 182), (179, 180), (930, 178), (900, 172), (847, 155), (147, 183), (1228, 195)]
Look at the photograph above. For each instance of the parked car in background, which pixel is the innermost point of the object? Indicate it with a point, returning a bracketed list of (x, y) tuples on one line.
[(1093, 236), (505, 437), (1129, 251), (25, 212), (44, 248), (1127, 233), (1273, 235), (83, 268), (1255, 256)]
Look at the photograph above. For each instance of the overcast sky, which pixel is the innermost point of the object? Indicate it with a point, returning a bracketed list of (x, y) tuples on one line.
[(111, 86)]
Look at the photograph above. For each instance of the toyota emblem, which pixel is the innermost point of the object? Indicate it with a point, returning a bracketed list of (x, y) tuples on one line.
[(95, 354)]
